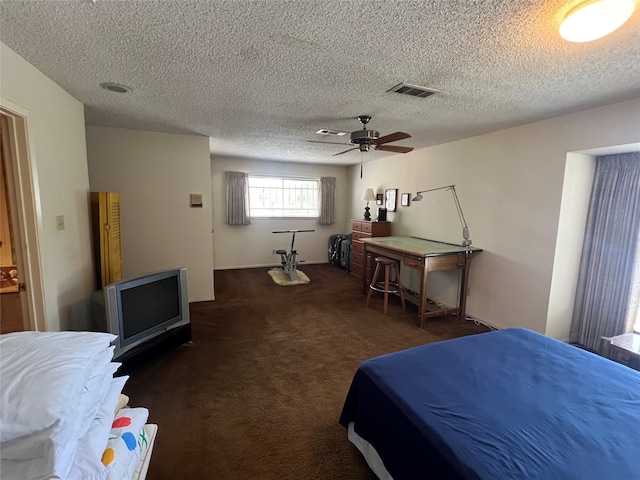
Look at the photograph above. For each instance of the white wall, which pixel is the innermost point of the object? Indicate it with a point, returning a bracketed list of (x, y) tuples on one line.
[(55, 123), (155, 173), (576, 192), (510, 186), (237, 246)]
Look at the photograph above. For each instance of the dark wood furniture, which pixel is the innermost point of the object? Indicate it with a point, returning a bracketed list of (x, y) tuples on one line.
[(391, 283), (360, 230), (625, 349), (426, 256)]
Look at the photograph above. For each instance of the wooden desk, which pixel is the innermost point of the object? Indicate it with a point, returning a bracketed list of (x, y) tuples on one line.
[(426, 256)]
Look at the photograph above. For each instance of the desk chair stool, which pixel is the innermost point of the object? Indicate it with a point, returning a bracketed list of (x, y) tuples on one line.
[(387, 286)]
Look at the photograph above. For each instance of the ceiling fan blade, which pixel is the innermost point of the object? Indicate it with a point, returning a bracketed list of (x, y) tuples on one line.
[(332, 143), (392, 137), (344, 151), (394, 148)]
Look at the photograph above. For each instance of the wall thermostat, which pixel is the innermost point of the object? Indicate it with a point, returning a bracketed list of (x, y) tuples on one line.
[(196, 199)]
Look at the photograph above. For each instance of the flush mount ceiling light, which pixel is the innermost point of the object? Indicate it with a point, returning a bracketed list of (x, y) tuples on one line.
[(326, 131), (115, 87), (595, 19)]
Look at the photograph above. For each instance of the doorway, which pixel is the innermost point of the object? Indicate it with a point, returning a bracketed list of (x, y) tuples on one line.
[(21, 294), (11, 318)]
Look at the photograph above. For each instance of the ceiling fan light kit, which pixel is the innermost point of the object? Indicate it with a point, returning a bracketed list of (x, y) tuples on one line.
[(363, 138), (594, 19)]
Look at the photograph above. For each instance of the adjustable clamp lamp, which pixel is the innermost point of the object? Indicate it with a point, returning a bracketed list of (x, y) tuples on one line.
[(465, 229)]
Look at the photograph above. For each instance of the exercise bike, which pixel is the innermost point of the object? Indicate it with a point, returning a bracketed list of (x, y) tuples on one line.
[(289, 260)]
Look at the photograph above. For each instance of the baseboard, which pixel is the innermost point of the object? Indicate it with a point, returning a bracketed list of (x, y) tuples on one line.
[(264, 265), (206, 299)]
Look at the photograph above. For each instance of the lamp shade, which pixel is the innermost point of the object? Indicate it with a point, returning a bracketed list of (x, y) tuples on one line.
[(368, 195), (595, 19)]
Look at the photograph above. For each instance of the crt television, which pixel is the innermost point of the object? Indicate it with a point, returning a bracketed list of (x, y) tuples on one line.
[(140, 309)]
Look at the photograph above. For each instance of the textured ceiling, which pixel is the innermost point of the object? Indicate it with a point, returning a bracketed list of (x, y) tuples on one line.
[(260, 77)]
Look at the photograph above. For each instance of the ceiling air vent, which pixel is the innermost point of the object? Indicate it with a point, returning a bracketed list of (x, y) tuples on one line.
[(413, 90)]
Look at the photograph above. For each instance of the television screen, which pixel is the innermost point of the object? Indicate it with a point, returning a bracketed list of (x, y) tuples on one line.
[(145, 306)]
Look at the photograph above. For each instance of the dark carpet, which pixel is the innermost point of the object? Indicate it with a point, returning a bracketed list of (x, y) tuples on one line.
[(259, 393)]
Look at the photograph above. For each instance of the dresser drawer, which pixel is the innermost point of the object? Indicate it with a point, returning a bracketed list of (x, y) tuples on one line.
[(357, 246), (356, 258), (356, 270), (359, 236), (356, 225), (366, 227)]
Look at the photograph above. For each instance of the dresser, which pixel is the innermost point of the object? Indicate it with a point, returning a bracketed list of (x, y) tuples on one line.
[(364, 229)]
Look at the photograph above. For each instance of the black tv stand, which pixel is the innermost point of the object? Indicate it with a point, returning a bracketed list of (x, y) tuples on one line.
[(137, 356)]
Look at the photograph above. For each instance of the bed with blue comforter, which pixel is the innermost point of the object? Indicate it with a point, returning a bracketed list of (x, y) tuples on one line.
[(510, 404)]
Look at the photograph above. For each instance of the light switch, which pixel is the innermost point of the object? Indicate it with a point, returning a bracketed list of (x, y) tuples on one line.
[(60, 222)]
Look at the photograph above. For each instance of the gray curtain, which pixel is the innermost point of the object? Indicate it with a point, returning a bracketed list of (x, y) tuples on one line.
[(237, 198), (609, 251), (327, 201)]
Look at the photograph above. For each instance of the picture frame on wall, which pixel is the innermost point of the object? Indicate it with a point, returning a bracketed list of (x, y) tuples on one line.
[(404, 199), (379, 199), (390, 199)]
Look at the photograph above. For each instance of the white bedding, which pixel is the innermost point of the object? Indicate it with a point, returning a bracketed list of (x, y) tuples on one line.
[(58, 400), (87, 464), (42, 378), (32, 398)]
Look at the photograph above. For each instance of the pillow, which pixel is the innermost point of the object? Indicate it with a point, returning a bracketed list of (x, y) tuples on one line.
[(55, 464), (127, 443), (87, 464), (92, 397), (42, 376)]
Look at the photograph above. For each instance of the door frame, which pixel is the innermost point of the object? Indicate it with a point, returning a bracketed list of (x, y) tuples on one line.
[(24, 194)]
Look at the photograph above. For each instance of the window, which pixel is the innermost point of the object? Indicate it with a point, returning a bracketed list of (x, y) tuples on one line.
[(283, 197)]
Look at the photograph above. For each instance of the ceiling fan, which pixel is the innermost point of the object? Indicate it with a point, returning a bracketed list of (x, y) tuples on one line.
[(363, 139)]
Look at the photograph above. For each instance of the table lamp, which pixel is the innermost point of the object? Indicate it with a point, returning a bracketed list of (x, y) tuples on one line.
[(368, 196), (466, 241)]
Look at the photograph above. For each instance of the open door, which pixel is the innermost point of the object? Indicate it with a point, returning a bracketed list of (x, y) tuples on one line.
[(11, 317), (22, 305)]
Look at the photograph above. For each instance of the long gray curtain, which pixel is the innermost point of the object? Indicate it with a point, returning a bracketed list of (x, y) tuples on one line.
[(327, 201), (237, 198), (609, 251)]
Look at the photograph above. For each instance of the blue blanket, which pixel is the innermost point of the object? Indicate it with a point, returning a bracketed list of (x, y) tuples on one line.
[(511, 404)]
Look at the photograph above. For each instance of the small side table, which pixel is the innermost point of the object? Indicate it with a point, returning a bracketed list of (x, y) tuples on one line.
[(625, 349)]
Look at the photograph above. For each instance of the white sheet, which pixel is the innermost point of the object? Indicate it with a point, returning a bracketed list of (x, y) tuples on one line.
[(369, 453)]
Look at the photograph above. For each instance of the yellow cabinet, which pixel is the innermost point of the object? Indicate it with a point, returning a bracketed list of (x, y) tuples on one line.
[(107, 246)]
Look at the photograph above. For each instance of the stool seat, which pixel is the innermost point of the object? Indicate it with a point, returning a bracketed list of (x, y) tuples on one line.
[(388, 286), (385, 260)]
